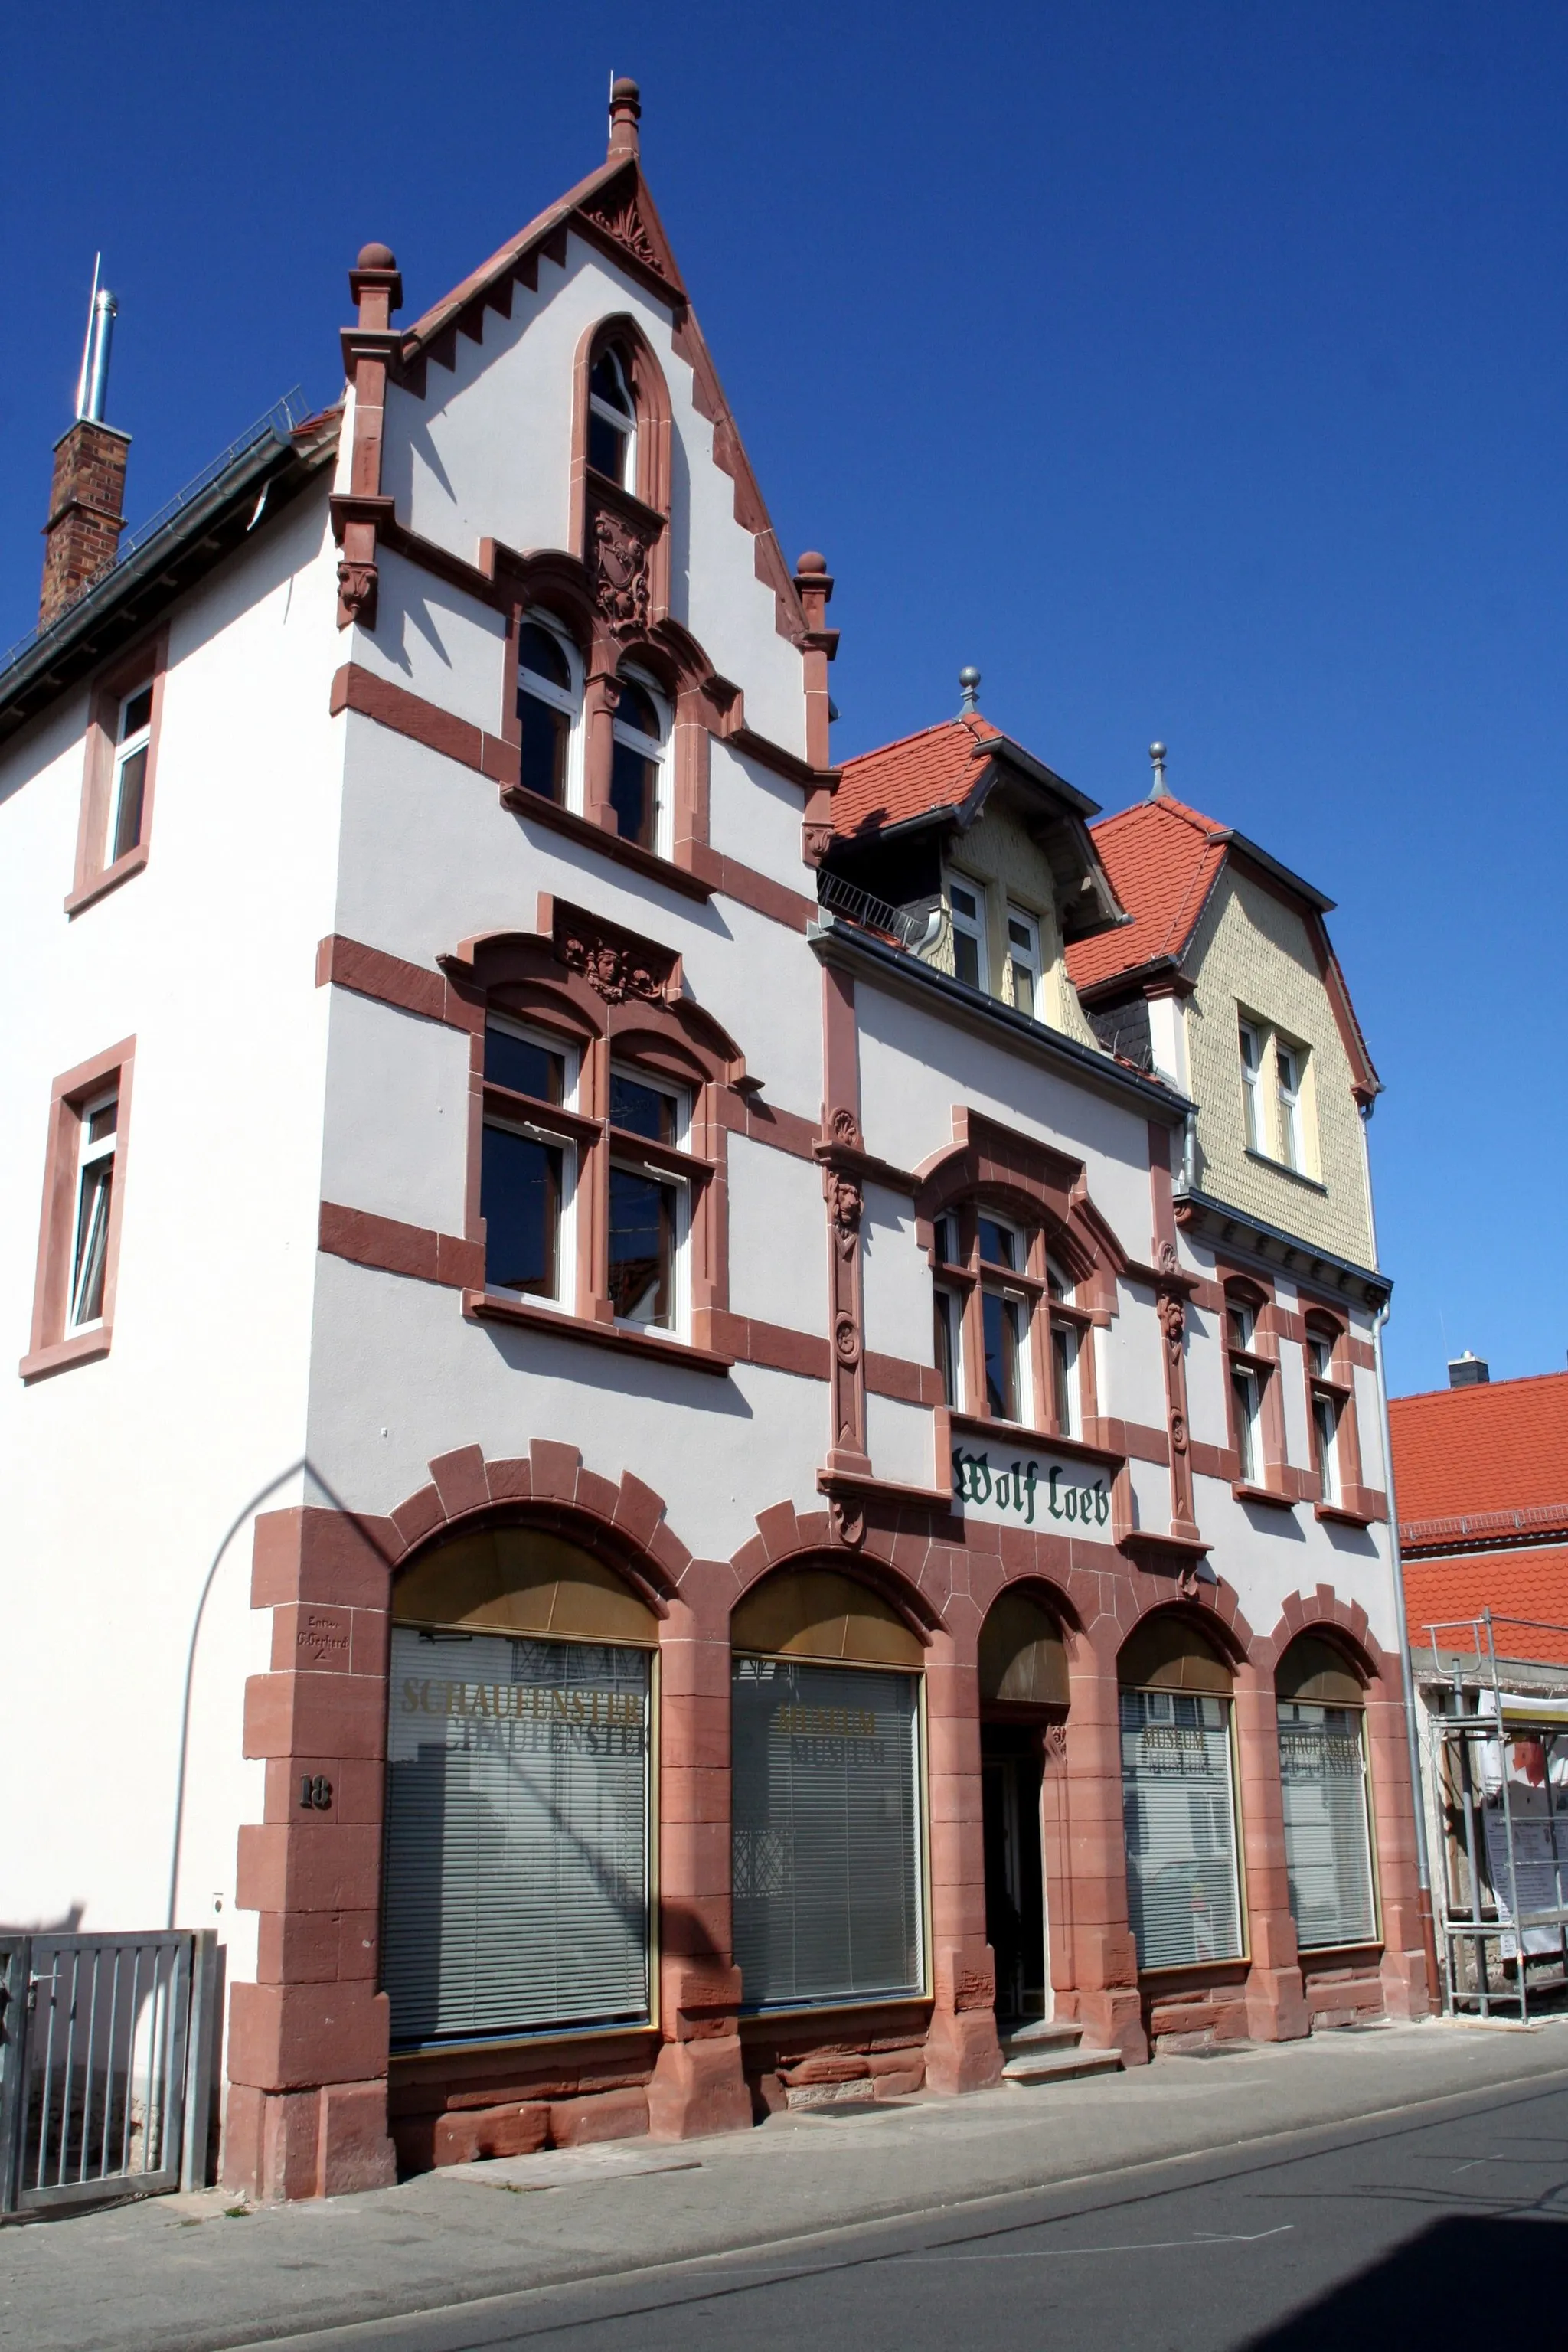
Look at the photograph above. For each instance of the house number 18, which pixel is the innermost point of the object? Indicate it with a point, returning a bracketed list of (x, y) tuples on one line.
[(315, 1792)]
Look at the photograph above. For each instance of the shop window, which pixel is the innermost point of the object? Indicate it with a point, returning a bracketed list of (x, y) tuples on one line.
[(528, 1166), (1324, 1779), (549, 705), (517, 1888), (639, 736), (828, 1893), (1178, 1795), (966, 916)]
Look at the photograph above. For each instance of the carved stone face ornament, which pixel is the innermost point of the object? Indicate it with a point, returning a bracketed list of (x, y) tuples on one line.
[(612, 969)]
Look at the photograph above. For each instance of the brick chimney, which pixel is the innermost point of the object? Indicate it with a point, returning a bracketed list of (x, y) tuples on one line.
[(86, 513)]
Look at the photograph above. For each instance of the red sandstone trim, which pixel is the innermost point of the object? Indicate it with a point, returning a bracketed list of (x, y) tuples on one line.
[(391, 1248), (50, 1347), (487, 1306)]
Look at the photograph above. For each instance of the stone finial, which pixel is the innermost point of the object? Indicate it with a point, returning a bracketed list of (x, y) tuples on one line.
[(626, 110), (969, 687)]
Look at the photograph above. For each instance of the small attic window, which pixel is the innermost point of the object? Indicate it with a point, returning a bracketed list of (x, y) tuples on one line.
[(612, 419)]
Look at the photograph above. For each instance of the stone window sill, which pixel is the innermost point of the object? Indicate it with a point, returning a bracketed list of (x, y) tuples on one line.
[(645, 862), (82, 1348), (486, 1306), (1343, 1514), (110, 879), (1270, 1494)]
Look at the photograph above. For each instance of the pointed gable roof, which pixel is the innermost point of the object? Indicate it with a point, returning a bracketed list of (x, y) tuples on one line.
[(1163, 860), (613, 210), (935, 769)]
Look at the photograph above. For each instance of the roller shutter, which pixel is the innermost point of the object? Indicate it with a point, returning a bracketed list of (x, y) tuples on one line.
[(826, 1832), (517, 1835), (1322, 1775), (1179, 1812)]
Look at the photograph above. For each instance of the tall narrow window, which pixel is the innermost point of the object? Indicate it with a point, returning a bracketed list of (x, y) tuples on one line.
[(1005, 1321), (128, 795), (1252, 1079), (1287, 1073), (1023, 960), (949, 1345), (968, 920), (525, 1170), (100, 1120), (649, 1204), (636, 764), (1065, 1341), (1325, 1404), (1246, 1377), (612, 419), (547, 706)]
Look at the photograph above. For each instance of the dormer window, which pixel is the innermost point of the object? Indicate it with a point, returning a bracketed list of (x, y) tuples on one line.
[(967, 914), (639, 734), (548, 699), (1023, 960), (612, 420)]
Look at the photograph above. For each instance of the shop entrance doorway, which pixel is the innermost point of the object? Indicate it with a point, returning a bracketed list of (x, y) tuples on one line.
[(1011, 1773)]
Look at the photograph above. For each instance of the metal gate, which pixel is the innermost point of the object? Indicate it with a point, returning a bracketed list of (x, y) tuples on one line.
[(106, 2066)]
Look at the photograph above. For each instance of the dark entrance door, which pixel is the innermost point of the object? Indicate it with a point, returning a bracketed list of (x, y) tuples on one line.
[(1011, 1768)]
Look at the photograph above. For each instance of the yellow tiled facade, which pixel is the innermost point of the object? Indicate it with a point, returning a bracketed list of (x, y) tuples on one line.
[(1252, 958)]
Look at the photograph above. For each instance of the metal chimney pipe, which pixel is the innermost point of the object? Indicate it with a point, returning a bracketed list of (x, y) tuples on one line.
[(95, 367)]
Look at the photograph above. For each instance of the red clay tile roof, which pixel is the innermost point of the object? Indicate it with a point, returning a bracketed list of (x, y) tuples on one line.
[(1162, 857), (936, 769), (1532, 1584), (1499, 1446)]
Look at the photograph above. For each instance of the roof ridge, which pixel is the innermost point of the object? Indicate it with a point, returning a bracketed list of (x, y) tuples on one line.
[(1476, 1388), (937, 727)]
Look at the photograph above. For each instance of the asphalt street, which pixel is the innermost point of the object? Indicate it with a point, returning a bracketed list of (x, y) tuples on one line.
[(1405, 2230)]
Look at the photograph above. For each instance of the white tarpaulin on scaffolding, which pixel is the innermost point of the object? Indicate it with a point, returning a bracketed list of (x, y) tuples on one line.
[(1538, 1802)]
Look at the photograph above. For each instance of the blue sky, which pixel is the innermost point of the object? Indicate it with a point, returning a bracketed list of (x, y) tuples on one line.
[(1195, 370)]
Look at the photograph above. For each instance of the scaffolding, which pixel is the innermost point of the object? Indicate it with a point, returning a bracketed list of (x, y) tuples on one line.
[(1497, 1773)]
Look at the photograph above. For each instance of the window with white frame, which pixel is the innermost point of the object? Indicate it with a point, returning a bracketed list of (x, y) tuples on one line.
[(527, 1164), (1287, 1060), (99, 1122), (1005, 1321), (128, 791), (1246, 1378), (612, 419), (649, 1206), (548, 704), (640, 734), (1067, 1338), (966, 915), (948, 1304), (1322, 1389), (1023, 960), (1251, 1043)]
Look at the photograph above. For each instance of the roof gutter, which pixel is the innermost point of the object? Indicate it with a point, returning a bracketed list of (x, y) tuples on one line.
[(836, 942)]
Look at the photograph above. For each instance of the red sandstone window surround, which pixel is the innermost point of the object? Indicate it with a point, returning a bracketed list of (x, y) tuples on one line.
[(597, 1142), (1256, 1417), (124, 720), (1013, 1340), (1331, 1421), (78, 1241)]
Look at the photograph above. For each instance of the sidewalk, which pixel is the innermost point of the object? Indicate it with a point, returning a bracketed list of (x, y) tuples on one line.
[(184, 2274)]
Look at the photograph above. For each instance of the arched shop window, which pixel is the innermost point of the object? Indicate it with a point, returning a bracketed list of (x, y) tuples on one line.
[(1178, 1797), (1322, 1774), (828, 1888), (517, 1884)]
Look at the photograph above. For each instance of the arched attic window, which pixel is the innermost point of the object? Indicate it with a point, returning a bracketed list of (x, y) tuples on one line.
[(613, 417), (549, 709)]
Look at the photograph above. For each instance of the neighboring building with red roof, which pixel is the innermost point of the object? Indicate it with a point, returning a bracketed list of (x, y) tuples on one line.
[(1481, 1474)]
